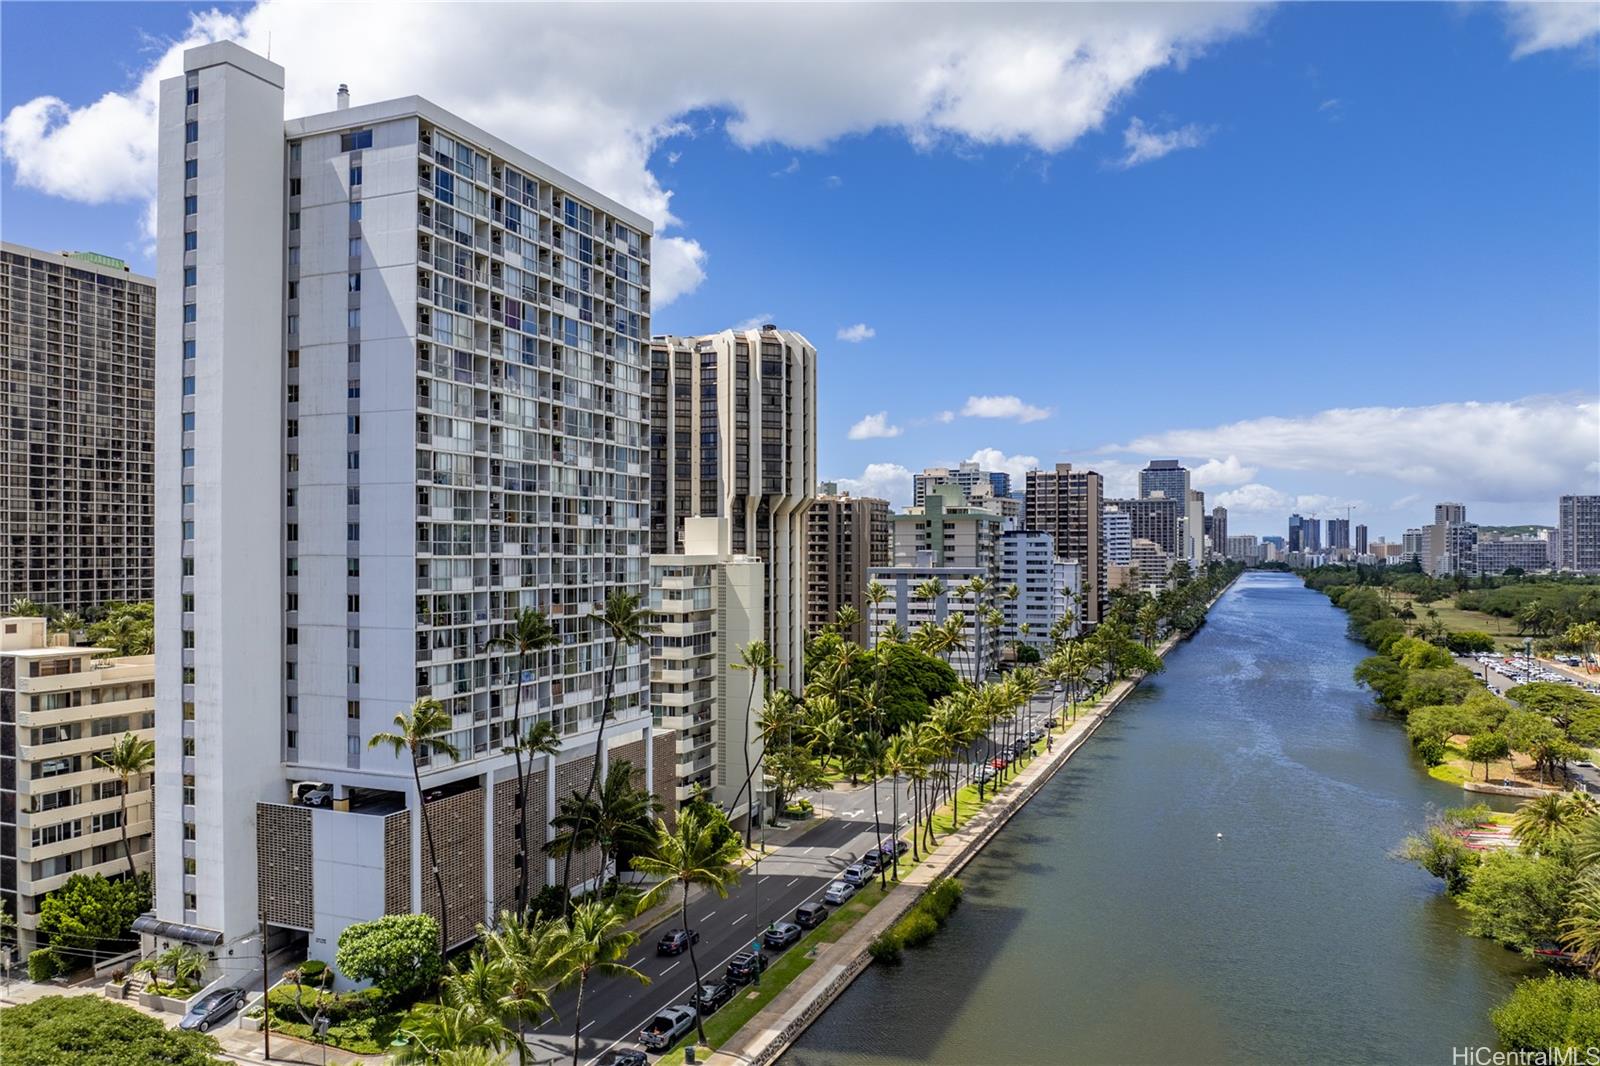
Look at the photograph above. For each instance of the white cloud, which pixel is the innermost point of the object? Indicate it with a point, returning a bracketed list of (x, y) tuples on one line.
[(784, 172), (1255, 499), (833, 181), (1217, 473), (856, 334), (1015, 465), (886, 481), (1500, 452), (873, 427), (754, 321), (1410, 499), (945, 417), (1039, 76), (1145, 144), (1541, 25), (1003, 407)]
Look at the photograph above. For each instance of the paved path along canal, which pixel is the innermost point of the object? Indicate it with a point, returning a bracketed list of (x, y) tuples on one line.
[(1108, 923)]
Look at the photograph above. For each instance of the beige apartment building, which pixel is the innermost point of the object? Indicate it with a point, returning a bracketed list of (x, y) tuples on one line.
[(846, 537), (60, 811), (1067, 504)]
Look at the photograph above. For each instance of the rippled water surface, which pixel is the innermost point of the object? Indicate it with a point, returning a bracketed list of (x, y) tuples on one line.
[(1108, 923)]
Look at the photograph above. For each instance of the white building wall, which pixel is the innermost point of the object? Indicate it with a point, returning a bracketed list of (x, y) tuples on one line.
[(237, 478)]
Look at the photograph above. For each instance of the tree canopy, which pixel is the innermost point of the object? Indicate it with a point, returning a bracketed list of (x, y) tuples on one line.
[(398, 953), (93, 1031)]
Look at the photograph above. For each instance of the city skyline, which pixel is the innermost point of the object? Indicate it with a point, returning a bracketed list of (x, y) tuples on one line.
[(1178, 183)]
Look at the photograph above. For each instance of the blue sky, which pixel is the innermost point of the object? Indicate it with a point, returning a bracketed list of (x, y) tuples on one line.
[(1329, 254)]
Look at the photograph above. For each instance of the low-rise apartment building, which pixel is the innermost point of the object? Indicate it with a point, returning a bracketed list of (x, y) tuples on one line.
[(61, 811)]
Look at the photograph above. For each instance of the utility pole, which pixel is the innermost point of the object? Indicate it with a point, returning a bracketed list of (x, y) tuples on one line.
[(266, 1003)]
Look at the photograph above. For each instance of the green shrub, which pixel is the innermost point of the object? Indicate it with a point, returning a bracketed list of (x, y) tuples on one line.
[(398, 953), (916, 928), (1551, 1012), (885, 948), (44, 964), (312, 971), (92, 1031), (941, 898)]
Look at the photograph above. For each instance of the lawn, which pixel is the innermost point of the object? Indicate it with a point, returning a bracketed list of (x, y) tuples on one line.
[(1503, 630)]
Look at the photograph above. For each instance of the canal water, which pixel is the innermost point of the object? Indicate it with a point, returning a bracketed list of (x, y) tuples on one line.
[(1108, 923)]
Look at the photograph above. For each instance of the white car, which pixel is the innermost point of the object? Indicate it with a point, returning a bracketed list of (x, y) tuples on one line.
[(838, 893), (662, 1031)]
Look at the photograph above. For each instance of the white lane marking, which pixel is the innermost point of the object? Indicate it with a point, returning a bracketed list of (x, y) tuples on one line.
[(585, 1027), (792, 880), (741, 918), (664, 973), (710, 916)]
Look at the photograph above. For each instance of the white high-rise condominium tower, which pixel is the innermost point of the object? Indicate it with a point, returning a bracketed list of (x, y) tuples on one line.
[(401, 380)]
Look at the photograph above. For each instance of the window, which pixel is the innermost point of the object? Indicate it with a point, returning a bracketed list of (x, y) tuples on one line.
[(191, 168), (294, 324), (188, 638), (294, 186), (355, 210), (355, 139), (188, 531), (191, 132), (355, 175), (291, 636), (353, 318), (292, 428), (188, 568), (189, 275), (353, 354), (352, 424), (352, 567), (294, 290), (188, 349), (191, 241), (355, 282), (352, 460), (188, 457), (294, 358), (352, 746), (294, 220), (188, 421), (294, 256), (294, 151), (355, 247), (352, 674), (352, 639), (291, 738), (188, 312), (352, 531), (352, 604), (291, 568), (191, 205), (293, 461), (291, 601), (352, 709), (188, 385), (352, 495), (191, 96), (292, 531), (188, 494), (352, 389), (291, 393)]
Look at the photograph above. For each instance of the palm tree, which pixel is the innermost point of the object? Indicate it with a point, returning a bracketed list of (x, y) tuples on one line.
[(531, 954), (530, 632), (1580, 929), (23, 607), (597, 940), (540, 741), (1545, 821), (628, 624), (479, 1000), (699, 850), (758, 658), (129, 758), (438, 1034), (869, 751), (847, 620), (624, 816), (877, 594), (418, 733), (899, 756)]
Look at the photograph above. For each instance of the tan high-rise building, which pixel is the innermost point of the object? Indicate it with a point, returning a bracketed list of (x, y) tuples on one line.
[(60, 811), (846, 536), (733, 434), (1066, 503), (77, 394)]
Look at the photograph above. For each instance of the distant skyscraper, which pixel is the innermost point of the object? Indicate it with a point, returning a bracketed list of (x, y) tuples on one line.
[(1311, 531), (967, 475), (1219, 532), (1066, 503), (77, 396), (1157, 518), (846, 537), (1413, 544), (1116, 526), (1578, 534), (1361, 540), (1166, 476), (1297, 534), (1338, 533)]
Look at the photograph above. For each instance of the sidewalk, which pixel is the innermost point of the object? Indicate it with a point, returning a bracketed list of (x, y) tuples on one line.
[(769, 1033)]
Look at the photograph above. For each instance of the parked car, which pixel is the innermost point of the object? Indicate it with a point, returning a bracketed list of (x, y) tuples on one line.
[(856, 875), (212, 1008), (999, 762), (810, 915), (711, 996), (625, 1057), (743, 967), (1035, 735), (315, 795), (984, 776), (676, 941), (838, 893), (662, 1031), (1020, 746), (898, 844), (781, 935), (871, 859)]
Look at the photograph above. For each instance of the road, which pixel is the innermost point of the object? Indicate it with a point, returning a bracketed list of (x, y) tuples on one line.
[(616, 1009)]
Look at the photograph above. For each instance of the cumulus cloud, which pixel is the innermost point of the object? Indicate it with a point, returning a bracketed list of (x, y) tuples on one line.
[(614, 83), (1499, 452), (754, 321), (1143, 143), (1015, 465), (1256, 498), (1542, 25), (873, 427), (945, 417), (1217, 473), (856, 334), (1003, 407), (886, 481)]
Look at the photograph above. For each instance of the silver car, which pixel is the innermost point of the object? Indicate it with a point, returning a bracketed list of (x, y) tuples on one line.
[(211, 1008), (838, 893)]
